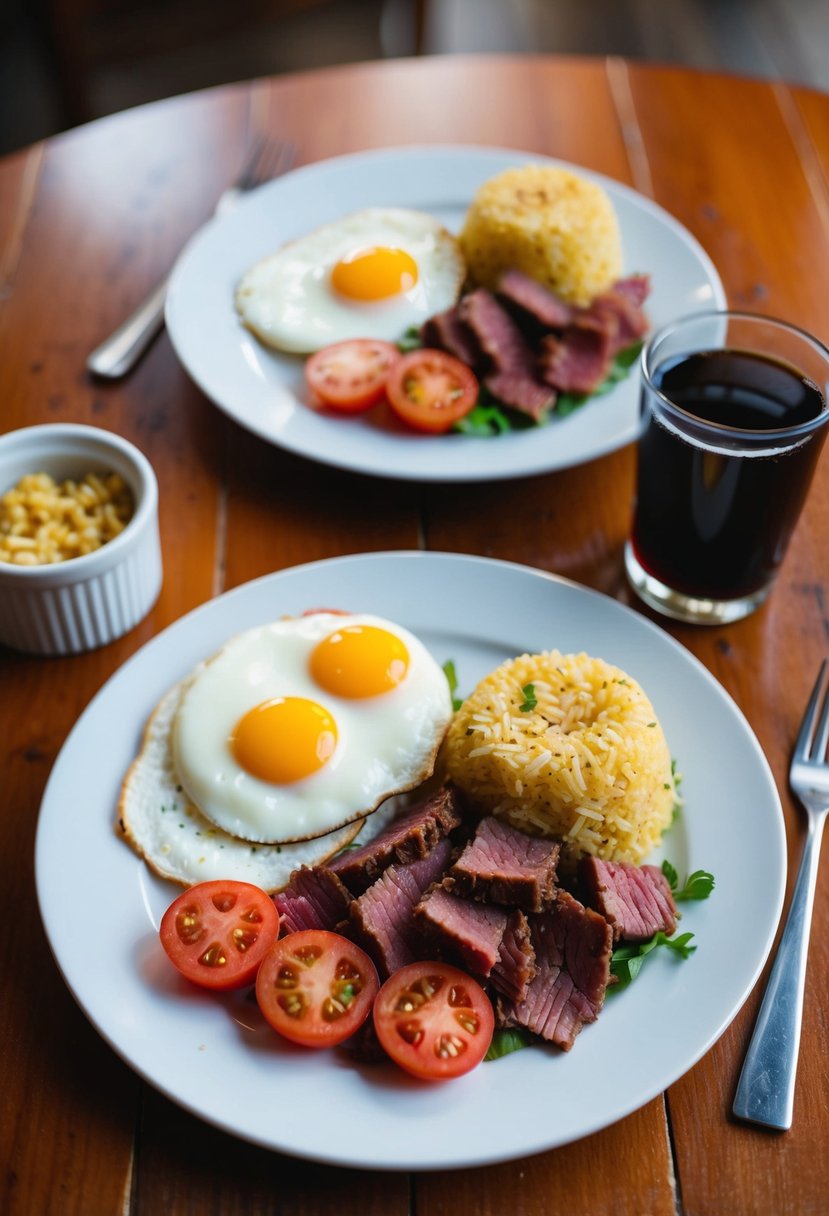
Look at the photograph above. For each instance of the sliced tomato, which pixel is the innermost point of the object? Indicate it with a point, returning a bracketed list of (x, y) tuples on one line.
[(431, 390), (316, 988), (217, 933), (434, 1020), (350, 376)]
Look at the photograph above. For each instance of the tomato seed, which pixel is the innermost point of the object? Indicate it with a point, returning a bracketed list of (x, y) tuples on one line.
[(458, 996), (307, 955), (286, 977), (346, 970), (345, 993), (468, 1020), (294, 1004), (409, 1001), (332, 1009), (223, 903), (243, 939), (188, 926), (449, 1047), (410, 1031), (252, 916), (213, 956)]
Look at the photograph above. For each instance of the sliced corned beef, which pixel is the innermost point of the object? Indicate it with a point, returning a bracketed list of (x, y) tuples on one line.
[(313, 899), (636, 287), (579, 360), (635, 900), (533, 300), (381, 919), (448, 331), (469, 933), (512, 974), (414, 834), (617, 313), (572, 953), (511, 375), (503, 865)]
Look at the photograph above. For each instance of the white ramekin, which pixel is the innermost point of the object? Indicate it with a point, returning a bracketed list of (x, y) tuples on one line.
[(86, 601)]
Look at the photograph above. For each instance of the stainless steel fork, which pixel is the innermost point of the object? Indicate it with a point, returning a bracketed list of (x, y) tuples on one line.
[(120, 352), (765, 1093)]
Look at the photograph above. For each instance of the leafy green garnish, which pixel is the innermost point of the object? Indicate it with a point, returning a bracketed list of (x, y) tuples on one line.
[(409, 340), (452, 678), (627, 960), (530, 699), (698, 885), (506, 1041), (489, 416), (484, 421)]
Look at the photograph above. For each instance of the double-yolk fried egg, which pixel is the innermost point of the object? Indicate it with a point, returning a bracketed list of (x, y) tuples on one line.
[(302, 725), (372, 274)]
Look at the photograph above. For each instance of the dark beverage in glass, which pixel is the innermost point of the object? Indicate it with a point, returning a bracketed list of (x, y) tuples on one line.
[(731, 431)]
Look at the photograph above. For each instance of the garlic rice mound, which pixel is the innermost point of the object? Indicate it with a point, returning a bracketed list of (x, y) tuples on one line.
[(552, 224), (587, 763)]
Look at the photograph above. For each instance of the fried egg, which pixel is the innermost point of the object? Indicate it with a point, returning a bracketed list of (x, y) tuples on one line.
[(372, 274), (305, 724), (159, 821)]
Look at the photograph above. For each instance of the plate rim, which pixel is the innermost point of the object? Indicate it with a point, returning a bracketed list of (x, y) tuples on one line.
[(496, 565), (533, 463)]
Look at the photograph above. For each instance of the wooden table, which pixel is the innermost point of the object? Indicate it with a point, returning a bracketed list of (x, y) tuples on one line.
[(88, 222)]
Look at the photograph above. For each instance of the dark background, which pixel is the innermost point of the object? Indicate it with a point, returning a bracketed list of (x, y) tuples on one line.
[(63, 62)]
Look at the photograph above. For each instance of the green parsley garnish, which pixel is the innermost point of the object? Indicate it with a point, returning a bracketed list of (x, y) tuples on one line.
[(698, 885), (530, 699), (410, 340), (484, 421), (452, 677), (627, 960)]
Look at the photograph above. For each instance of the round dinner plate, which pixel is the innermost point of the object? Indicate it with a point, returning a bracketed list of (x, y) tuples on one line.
[(214, 1054), (264, 390)]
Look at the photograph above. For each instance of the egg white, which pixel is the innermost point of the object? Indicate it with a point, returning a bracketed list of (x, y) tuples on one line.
[(162, 825), (386, 744), (288, 300)]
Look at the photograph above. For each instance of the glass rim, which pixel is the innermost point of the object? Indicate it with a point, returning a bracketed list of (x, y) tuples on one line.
[(733, 433)]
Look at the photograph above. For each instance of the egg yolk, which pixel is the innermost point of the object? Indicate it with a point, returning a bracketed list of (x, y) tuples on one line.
[(359, 661), (284, 739), (374, 274)]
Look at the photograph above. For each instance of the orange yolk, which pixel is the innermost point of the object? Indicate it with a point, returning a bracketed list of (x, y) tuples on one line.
[(359, 661), (284, 739), (374, 274)]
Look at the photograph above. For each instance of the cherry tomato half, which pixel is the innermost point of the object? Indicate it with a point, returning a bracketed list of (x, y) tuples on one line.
[(433, 1020), (316, 988), (431, 390), (351, 376), (217, 933)]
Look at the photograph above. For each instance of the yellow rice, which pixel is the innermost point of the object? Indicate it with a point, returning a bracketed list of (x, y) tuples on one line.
[(588, 764), (554, 225)]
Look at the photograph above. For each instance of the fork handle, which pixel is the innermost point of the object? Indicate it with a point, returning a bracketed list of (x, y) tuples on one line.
[(120, 352), (765, 1092)]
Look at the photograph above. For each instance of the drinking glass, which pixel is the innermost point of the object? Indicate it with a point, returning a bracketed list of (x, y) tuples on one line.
[(733, 417)]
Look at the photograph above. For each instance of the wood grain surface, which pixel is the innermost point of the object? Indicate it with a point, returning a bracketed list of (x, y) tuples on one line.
[(88, 222)]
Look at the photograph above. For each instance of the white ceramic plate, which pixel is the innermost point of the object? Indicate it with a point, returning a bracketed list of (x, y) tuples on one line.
[(216, 1057), (263, 390)]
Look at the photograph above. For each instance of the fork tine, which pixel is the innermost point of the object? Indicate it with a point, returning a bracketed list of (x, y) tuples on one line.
[(269, 158), (822, 729), (245, 178), (814, 731)]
